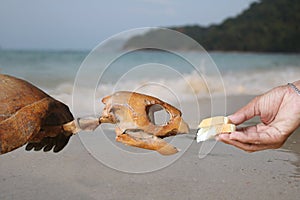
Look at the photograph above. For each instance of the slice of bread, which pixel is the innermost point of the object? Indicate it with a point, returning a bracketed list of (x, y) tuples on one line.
[(211, 127), (214, 121)]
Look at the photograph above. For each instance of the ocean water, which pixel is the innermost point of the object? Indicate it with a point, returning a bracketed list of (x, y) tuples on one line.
[(157, 73)]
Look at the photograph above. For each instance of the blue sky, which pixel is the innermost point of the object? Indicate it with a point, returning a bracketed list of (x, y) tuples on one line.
[(82, 24)]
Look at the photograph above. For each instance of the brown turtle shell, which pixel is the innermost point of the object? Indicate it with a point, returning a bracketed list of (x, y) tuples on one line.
[(29, 115)]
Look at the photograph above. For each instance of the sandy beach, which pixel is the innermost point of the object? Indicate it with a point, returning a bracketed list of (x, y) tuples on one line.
[(225, 173), (206, 58)]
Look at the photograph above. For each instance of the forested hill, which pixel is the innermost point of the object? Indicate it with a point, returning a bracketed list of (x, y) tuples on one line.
[(266, 26)]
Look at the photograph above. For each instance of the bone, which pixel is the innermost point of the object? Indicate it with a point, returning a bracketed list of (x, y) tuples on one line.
[(143, 140), (133, 114), (132, 111), (71, 127), (88, 123)]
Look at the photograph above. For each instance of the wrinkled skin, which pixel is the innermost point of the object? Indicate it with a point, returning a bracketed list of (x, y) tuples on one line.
[(133, 114), (28, 115), (279, 111)]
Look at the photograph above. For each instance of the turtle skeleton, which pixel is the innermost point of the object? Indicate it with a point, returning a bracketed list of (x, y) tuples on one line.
[(133, 114), (28, 115)]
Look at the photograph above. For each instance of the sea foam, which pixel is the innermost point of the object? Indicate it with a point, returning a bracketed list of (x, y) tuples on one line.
[(189, 87)]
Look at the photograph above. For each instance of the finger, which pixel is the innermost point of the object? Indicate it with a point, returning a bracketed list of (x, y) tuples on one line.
[(259, 134), (245, 113), (244, 146), (248, 135)]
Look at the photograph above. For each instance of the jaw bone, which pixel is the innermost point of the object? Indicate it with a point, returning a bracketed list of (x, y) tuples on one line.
[(133, 113)]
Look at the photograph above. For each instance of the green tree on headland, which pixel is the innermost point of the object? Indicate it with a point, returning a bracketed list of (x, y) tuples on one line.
[(266, 26)]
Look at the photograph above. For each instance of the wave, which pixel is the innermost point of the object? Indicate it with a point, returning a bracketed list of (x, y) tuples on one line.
[(189, 87)]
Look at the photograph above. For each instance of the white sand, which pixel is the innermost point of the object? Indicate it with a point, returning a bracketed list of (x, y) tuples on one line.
[(226, 173)]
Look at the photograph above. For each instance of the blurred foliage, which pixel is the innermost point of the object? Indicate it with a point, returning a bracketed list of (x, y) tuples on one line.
[(266, 26)]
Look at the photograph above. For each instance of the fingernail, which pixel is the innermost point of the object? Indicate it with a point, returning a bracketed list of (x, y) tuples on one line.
[(219, 137), (229, 116)]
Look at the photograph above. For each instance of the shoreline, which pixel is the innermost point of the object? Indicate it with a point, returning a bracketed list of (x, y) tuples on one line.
[(225, 173)]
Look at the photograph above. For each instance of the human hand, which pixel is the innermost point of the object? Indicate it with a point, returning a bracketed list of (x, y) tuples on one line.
[(279, 111)]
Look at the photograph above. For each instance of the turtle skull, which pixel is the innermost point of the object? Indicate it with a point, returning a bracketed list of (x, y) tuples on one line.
[(133, 113)]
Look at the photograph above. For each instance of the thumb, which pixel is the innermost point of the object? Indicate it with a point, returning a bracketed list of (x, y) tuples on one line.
[(245, 113)]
